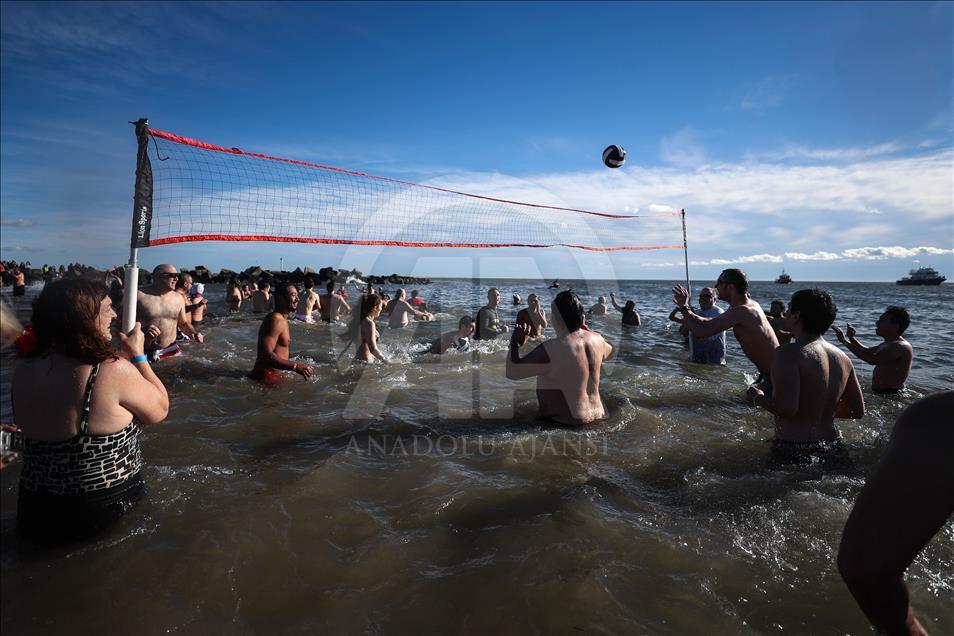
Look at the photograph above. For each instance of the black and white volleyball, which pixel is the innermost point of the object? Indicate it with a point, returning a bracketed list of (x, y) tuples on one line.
[(614, 156)]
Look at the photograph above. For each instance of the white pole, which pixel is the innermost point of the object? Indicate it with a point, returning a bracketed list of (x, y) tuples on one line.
[(685, 251), (130, 291)]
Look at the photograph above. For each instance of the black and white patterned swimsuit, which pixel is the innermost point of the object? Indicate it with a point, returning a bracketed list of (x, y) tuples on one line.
[(83, 482)]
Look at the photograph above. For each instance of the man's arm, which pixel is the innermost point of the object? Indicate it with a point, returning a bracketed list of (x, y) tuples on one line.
[(867, 354), (851, 404), (608, 350), (535, 363), (268, 342), (184, 321), (705, 327), (543, 319), (615, 304), (787, 383)]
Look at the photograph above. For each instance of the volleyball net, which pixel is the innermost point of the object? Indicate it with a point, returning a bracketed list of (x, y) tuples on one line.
[(189, 190)]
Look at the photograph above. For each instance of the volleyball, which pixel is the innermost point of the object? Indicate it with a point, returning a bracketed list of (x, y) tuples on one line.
[(614, 156)]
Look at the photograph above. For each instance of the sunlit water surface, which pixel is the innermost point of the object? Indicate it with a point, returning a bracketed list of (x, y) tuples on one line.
[(426, 496)]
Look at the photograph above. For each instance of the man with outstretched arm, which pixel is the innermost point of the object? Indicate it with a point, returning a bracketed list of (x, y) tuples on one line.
[(814, 382), (892, 358), (274, 339), (744, 316), (399, 311), (567, 367), (331, 305), (160, 310)]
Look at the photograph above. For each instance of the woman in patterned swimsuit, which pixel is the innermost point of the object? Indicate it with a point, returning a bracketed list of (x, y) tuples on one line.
[(81, 405)]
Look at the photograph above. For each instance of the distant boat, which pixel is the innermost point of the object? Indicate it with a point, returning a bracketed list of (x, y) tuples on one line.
[(922, 276), (783, 279)]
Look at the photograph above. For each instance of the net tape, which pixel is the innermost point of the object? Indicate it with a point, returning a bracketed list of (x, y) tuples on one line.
[(203, 192)]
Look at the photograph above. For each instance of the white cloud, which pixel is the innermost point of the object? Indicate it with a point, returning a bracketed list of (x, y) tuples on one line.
[(683, 148), (865, 253), (767, 92), (16, 222), (825, 154), (817, 256), (881, 253)]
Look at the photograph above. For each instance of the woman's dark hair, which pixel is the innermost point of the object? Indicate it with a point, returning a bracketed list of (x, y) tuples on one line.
[(65, 316), (629, 306), (368, 304), (571, 310), (816, 308)]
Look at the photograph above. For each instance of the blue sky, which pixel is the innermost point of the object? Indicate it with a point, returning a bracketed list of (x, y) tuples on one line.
[(815, 137)]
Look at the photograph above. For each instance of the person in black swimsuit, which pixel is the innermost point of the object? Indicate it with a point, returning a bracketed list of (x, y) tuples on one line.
[(98, 439)]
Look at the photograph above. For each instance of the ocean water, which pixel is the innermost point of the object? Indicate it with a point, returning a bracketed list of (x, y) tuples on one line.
[(427, 497)]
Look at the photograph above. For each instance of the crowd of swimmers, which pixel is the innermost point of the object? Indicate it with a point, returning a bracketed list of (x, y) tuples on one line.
[(804, 381)]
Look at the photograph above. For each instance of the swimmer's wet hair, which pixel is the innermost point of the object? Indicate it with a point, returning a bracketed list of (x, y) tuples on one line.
[(465, 320), (816, 309), (571, 309), (735, 277), (899, 316)]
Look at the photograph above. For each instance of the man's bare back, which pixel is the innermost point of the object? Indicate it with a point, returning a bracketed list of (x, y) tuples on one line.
[(567, 367), (810, 380)]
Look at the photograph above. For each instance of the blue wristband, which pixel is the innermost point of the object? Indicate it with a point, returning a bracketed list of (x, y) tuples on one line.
[(139, 358)]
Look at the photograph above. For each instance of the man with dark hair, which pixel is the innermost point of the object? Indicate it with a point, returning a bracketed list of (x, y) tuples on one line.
[(892, 358), (262, 298), (308, 302), (534, 316), (776, 318), (814, 382), (744, 316), (332, 305), (567, 367), (906, 500), (274, 339), (459, 340)]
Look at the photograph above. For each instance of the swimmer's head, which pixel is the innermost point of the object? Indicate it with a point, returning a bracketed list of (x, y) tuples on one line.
[(734, 277), (414, 294), (629, 306), (601, 300), (197, 289), (493, 296), (533, 301), (309, 284), (466, 323), (707, 296), (568, 310), (400, 294), (815, 308), (893, 318), (73, 315), (286, 298), (330, 287), (777, 308)]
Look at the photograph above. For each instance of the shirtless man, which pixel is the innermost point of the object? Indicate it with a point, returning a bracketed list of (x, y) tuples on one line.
[(814, 383), (600, 308), (630, 315), (744, 316), (776, 318), (19, 282), (458, 340), (534, 316), (907, 499), (331, 305), (233, 296), (160, 309), (892, 358), (309, 302), (183, 285), (488, 320), (399, 311), (262, 300), (567, 367), (709, 350), (274, 338)]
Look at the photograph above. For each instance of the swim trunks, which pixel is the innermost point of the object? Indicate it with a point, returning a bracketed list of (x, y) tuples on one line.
[(831, 452), (308, 319), (19, 290), (171, 351), (268, 377)]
